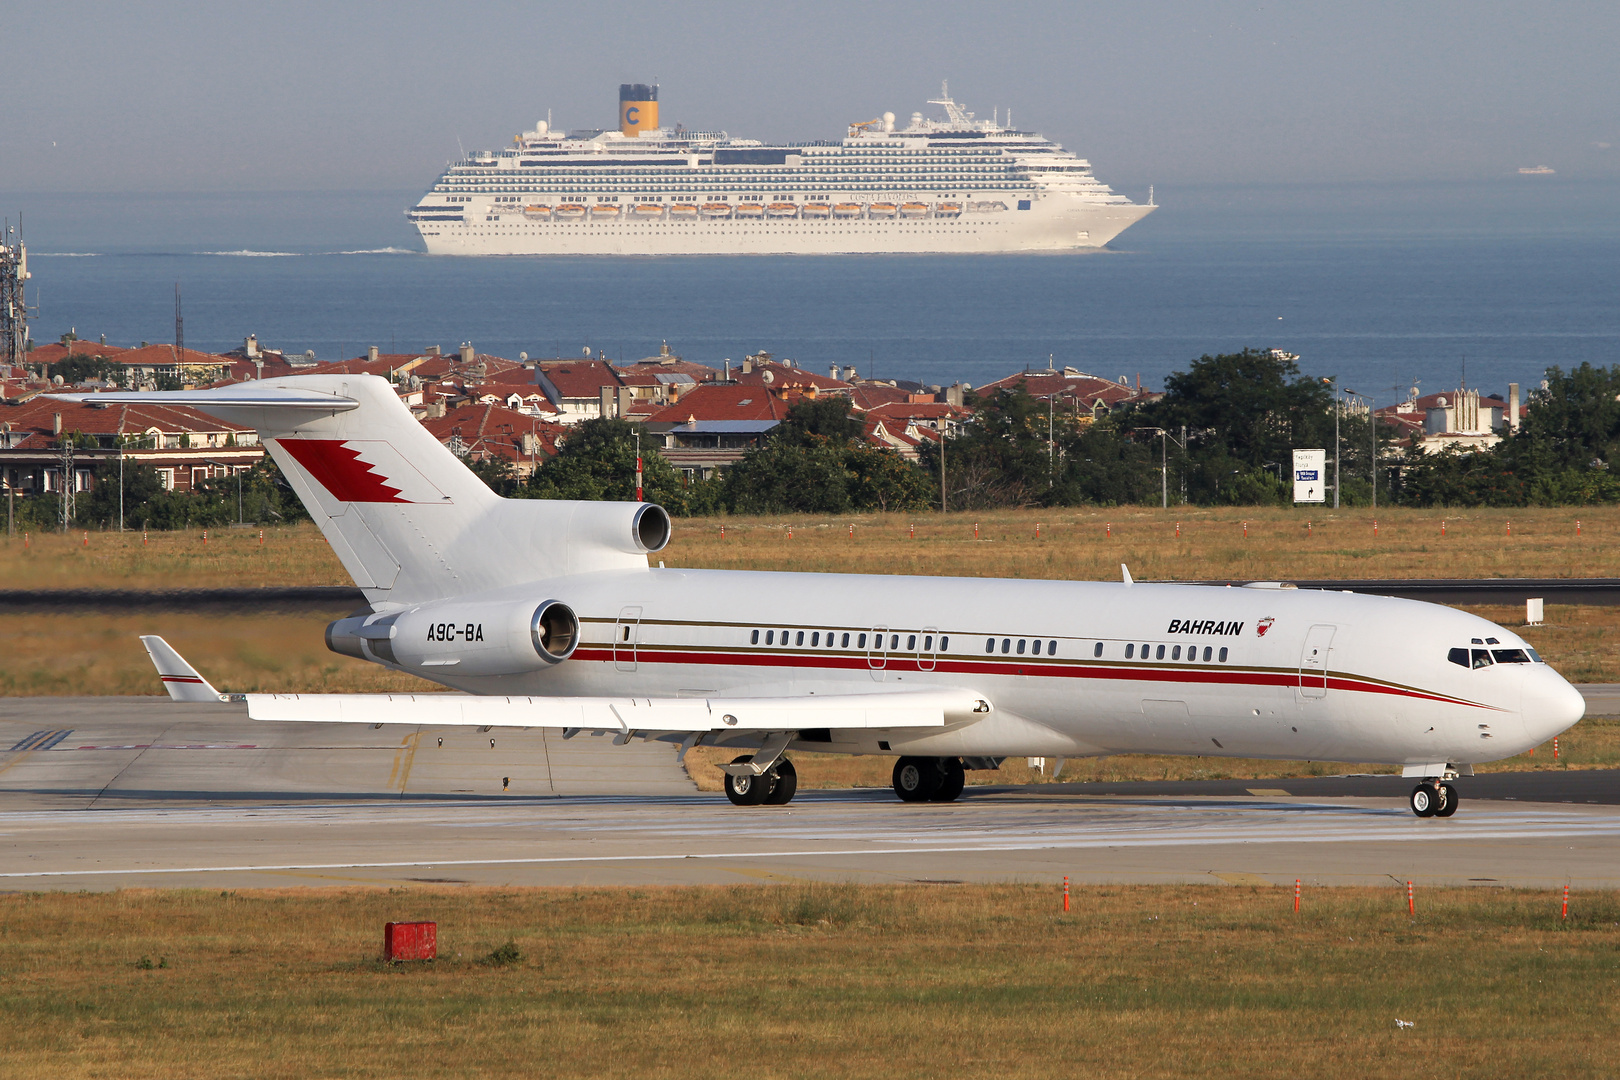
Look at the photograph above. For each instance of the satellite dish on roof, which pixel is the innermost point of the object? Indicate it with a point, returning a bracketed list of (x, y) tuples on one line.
[(768, 378), (587, 350)]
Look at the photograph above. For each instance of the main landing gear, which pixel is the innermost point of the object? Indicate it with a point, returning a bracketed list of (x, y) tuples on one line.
[(928, 779), (1435, 798), (775, 787)]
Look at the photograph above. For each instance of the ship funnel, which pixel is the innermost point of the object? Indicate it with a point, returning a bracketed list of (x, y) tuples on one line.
[(638, 109)]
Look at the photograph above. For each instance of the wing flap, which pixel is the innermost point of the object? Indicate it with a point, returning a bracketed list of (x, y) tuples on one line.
[(907, 709)]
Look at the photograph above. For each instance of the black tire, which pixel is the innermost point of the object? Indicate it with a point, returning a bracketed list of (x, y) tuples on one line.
[(786, 786), (916, 779), (1448, 800), (1425, 800), (952, 778), (747, 790)]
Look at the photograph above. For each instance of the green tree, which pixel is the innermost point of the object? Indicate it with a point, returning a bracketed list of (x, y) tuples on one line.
[(597, 461)]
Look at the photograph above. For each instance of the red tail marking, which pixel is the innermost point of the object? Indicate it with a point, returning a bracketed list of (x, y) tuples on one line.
[(340, 471)]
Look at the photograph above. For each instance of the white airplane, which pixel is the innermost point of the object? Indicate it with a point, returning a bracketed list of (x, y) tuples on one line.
[(547, 614)]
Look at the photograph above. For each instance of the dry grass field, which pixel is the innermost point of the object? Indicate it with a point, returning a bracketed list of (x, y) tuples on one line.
[(1074, 544), (812, 980)]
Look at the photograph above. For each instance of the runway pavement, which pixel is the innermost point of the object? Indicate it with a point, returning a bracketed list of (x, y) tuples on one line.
[(116, 793)]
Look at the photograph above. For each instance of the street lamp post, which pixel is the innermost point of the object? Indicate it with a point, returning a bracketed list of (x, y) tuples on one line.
[(1372, 422)]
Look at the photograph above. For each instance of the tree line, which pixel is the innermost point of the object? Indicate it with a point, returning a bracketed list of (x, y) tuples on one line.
[(1223, 433)]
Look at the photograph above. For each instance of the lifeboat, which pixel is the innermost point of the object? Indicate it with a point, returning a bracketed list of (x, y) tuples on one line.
[(750, 210), (569, 212), (990, 207), (913, 210), (847, 210), (537, 213), (604, 212), (881, 210), (948, 209), (716, 210), (782, 210), (646, 211), (683, 211), (816, 209)]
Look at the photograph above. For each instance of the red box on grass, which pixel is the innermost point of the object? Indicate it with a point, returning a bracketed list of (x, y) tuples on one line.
[(410, 941)]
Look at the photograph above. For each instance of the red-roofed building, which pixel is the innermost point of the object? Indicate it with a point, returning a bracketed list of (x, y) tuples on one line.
[(480, 432), (666, 363), (1072, 391), (780, 375), (578, 388), (142, 367), (714, 424), (183, 445), (56, 352)]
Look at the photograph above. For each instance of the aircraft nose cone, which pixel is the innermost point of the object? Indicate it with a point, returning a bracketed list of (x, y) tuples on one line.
[(1551, 705)]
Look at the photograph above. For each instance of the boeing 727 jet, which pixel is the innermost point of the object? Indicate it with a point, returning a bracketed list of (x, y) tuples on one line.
[(547, 614)]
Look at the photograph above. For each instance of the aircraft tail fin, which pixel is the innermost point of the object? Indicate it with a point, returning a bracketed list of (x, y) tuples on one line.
[(407, 518), (180, 679)]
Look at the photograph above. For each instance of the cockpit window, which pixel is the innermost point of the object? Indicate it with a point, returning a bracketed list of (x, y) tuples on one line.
[(1482, 658), (1510, 656), (1535, 657), (1458, 657)]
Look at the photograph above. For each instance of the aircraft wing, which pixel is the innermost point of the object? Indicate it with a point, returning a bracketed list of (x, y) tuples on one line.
[(908, 709)]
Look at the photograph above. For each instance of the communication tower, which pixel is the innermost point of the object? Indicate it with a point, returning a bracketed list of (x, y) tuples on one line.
[(13, 302)]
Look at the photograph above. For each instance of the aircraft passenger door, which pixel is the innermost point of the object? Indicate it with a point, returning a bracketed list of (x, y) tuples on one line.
[(926, 654), (1313, 662), (626, 633), (877, 656)]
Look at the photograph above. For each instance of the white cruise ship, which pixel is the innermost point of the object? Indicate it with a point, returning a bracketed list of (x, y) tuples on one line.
[(954, 185)]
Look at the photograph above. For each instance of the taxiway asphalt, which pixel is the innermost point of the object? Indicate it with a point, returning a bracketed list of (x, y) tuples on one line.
[(115, 793)]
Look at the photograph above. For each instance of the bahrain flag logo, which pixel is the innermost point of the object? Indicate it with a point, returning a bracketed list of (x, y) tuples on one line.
[(1263, 625), (362, 471)]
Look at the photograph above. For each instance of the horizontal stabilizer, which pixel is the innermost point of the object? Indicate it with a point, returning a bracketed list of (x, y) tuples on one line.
[(907, 709), (180, 679), (249, 395)]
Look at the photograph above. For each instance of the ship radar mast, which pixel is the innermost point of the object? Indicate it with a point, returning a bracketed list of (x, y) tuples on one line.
[(959, 117)]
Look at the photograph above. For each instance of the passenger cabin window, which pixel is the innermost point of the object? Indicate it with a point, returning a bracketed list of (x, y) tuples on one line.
[(1175, 653), (1159, 653), (928, 643), (1130, 650), (1020, 646), (1051, 648), (1098, 650), (1223, 654), (846, 641), (1482, 658), (945, 644), (911, 643), (862, 644), (894, 641), (815, 640), (799, 640), (990, 644), (770, 637), (1006, 645), (1458, 657), (754, 638), (1207, 653)]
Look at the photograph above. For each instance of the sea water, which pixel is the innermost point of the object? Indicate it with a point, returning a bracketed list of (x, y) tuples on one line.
[(1384, 289)]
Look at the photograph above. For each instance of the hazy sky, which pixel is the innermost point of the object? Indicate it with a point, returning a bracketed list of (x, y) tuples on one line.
[(271, 96)]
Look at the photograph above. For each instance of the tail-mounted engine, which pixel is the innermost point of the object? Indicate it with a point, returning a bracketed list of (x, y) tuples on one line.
[(458, 637)]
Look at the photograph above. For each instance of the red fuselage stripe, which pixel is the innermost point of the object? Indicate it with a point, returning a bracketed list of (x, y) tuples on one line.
[(1200, 675)]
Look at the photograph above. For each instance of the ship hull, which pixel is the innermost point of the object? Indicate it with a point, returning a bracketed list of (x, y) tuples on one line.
[(1050, 225)]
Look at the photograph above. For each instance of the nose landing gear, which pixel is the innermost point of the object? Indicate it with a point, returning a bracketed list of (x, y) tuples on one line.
[(1435, 798)]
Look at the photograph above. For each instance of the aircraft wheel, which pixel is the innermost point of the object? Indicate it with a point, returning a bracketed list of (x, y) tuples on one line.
[(747, 790), (1448, 800), (952, 779), (786, 786), (916, 779), (1425, 800)]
